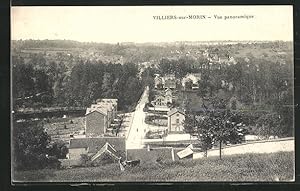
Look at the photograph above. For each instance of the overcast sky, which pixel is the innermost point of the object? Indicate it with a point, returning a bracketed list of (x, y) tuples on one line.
[(136, 24)]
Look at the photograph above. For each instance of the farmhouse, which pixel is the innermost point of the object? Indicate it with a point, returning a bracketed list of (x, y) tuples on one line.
[(94, 147), (175, 120)]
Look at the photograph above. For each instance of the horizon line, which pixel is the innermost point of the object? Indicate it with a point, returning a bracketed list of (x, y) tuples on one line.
[(103, 42)]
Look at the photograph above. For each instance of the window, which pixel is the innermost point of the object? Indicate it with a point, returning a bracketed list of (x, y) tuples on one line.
[(177, 121), (177, 114)]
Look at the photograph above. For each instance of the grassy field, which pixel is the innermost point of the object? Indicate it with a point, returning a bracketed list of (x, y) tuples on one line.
[(252, 167)]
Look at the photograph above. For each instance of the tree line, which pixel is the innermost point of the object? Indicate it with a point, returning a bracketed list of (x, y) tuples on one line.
[(41, 83)]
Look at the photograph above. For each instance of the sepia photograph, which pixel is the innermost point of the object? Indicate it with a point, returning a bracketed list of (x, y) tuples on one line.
[(152, 94)]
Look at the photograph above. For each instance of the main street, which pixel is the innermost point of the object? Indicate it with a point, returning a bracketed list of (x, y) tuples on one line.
[(138, 128)]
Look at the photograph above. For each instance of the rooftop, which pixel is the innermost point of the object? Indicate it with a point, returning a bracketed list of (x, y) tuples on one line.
[(94, 144), (99, 110), (175, 110)]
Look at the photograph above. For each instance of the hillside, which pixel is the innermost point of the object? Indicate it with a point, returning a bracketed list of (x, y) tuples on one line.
[(251, 167)]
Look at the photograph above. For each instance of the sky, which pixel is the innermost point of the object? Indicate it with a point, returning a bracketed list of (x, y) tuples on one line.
[(136, 23)]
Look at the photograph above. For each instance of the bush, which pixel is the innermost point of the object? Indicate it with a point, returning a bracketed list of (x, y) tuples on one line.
[(58, 149)]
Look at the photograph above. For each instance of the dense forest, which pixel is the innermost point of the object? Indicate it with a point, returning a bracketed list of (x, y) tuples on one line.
[(50, 85)]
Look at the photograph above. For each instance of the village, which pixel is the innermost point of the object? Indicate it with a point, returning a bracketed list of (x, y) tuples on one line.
[(155, 129), (165, 120)]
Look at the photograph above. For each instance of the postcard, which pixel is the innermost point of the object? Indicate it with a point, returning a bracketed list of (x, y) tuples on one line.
[(152, 94)]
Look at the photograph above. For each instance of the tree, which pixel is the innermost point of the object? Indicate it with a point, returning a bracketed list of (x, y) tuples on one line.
[(31, 147), (107, 84), (120, 124), (215, 125), (189, 124), (90, 93), (204, 135), (23, 79), (270, 125), (58, 149)]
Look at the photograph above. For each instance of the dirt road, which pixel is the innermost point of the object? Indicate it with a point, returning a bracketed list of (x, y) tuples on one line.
[(138, 127)]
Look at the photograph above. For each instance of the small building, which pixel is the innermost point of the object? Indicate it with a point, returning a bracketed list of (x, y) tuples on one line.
[(158, 83), (175, 120), (95, 122), (108, 109), (194, 78), (169, 81), (93, 146), (100, 116)]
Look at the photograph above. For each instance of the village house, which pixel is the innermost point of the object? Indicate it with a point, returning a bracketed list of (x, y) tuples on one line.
[(175, 120), (165, 82), (95, 122), (192, 77), (95, 146), (169, 81), (163, 100), (100, 116), (158, 83)]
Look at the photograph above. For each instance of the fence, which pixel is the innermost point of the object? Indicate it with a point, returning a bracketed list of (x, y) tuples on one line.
[(267, 146), (165, 153)]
